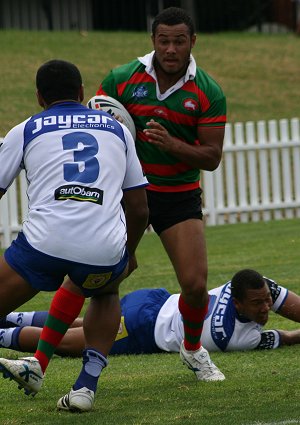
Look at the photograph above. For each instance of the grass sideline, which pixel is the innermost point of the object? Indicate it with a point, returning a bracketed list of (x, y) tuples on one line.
[(259, 73), (261, 387)]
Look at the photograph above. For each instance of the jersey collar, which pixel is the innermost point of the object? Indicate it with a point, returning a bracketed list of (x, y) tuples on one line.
[(190, 74)]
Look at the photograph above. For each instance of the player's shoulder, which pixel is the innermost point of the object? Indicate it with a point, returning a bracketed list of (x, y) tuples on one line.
[(124, 71), (204, 76), (278, 293), (207, 82), (273, 286), (226, 287), (17, 130)]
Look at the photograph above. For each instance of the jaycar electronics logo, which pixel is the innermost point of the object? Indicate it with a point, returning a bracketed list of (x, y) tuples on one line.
[(79, 193), (190, 104)]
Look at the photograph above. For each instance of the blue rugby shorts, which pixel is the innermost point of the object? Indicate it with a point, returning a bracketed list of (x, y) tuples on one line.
[(46, 273)]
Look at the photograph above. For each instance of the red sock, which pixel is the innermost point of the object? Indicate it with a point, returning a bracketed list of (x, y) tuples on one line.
[(193, 319), (64, 309)]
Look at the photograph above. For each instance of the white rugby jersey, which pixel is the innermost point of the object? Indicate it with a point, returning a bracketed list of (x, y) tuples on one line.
[(223, 329), (78, 162)]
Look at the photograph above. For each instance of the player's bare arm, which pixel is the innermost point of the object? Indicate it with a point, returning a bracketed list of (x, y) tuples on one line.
[(136, 210), (291, 307), (205, 156), (289, 337)]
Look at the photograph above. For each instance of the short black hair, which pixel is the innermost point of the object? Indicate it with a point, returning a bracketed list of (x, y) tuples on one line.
[(58, 80), (244, 280), (173, 16)]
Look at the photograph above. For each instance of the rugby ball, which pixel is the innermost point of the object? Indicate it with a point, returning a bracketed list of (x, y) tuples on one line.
[(114, 108)]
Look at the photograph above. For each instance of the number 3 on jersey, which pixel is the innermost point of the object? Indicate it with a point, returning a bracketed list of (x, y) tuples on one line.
[(85, 168)]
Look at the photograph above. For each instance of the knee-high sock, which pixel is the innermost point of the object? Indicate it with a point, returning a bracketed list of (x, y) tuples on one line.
[(193, 319), (64, 309)]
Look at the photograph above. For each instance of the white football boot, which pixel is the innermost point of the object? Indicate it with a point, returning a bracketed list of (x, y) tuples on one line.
[(200, 363), (81, 400), (26, 371)]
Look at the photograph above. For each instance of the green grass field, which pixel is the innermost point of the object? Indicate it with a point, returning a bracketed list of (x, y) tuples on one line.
[(259, 73), (260, 76), (261, 387)]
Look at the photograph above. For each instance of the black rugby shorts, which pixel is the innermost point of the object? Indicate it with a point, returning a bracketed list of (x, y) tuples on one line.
[(169, 208)]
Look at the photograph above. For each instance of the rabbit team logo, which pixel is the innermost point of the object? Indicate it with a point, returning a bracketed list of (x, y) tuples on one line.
[(190, 104)]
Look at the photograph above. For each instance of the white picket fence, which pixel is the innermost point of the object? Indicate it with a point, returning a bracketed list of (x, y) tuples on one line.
[(259, 176), (258, 179)]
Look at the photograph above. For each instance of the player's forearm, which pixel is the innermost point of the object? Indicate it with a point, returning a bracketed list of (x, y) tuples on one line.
[(289, 337), (206, 155), (291, 307), (136, 225), (136, 213), (202, 157)]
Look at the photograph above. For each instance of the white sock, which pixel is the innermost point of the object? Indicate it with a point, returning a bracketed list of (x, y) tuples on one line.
[(5, 337), (20, 318)]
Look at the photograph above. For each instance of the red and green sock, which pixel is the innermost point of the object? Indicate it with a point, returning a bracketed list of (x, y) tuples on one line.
[(193, 319), (64, 309)]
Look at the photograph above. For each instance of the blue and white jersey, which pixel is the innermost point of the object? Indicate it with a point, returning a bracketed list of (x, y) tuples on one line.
[(223, 328), (78, 162)]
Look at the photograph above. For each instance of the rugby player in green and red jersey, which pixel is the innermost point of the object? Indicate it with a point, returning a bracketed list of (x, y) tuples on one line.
[(179, 112)]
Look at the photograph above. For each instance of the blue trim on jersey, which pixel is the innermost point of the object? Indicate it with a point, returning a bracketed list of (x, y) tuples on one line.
[(140, 310), (275, 290), (223, 319), (283, 301), (72, 116), (136, 187), (211, 303), (280, 338), (46, 273)]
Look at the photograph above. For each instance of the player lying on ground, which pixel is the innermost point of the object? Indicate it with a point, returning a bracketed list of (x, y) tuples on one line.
[(151, 321)]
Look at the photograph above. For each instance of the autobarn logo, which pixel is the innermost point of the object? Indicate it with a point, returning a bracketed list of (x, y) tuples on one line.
[(79, 193)]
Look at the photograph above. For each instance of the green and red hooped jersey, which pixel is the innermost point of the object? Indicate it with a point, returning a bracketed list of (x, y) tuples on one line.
[(199, 102)]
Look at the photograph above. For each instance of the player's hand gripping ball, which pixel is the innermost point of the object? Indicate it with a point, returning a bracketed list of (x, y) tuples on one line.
[(114, 108)]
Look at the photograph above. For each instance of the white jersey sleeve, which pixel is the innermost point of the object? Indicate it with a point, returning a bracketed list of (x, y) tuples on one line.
[(11, 155), (278, 294), (270, 339)]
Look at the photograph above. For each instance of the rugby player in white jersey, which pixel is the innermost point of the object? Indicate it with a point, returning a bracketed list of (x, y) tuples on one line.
[(80, 164), (151, 321)]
